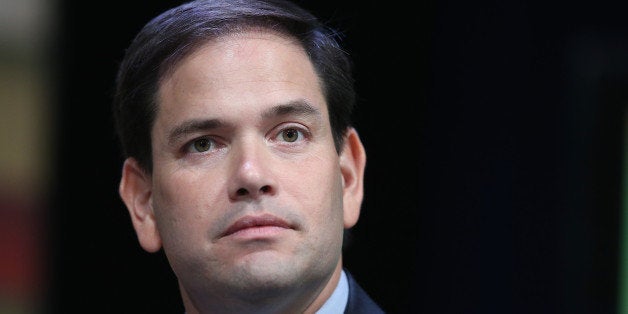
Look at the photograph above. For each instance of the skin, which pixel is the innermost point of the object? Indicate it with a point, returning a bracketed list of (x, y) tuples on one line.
[(242, 134)]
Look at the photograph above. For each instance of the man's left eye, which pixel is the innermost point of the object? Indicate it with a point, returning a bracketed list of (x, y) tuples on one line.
[(290, 135)]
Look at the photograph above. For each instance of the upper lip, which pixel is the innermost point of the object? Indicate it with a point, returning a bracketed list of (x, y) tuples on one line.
[(256, 221)]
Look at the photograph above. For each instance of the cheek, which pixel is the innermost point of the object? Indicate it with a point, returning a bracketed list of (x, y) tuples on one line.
[(181, 190), (320, 193), (180, 205), (325, 217), (172, 195)]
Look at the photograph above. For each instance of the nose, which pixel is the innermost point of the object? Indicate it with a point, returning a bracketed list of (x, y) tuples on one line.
[(252, 172)]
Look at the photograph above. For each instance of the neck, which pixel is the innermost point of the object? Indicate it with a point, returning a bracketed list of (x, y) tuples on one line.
[(306, 299)]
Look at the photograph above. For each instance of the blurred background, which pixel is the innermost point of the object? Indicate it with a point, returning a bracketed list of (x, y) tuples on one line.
[(496, 134)]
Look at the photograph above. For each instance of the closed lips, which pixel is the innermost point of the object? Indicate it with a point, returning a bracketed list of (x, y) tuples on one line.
[(266, 220)]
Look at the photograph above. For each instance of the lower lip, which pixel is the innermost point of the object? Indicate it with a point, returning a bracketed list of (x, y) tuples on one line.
[(258, 232)]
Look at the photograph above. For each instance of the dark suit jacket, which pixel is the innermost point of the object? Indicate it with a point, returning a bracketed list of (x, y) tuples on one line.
[(359, 301)]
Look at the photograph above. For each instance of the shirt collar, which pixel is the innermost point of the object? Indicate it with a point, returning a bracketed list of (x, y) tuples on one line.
[(338, 299)]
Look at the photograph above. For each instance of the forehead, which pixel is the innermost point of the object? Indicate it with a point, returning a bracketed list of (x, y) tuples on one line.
[(249, 67)]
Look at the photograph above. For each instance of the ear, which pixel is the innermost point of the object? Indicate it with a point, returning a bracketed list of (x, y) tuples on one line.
[(136, 192), (352, 164)]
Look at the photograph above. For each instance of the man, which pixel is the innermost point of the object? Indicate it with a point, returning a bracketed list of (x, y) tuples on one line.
[(241, 160)]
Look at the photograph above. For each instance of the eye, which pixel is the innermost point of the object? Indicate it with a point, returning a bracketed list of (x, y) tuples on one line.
[(291, 135), (201, 145)]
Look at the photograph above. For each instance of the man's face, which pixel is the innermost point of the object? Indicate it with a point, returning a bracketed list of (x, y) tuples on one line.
[(247, 187)]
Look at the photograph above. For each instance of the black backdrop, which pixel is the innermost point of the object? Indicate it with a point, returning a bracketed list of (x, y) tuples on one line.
[(494, 136)]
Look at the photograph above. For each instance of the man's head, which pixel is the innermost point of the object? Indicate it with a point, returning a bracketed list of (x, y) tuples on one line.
[(170, 37), (253, 171)]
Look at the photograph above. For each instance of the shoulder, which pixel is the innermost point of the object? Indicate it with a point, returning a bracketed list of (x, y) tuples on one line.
[(359, 301)]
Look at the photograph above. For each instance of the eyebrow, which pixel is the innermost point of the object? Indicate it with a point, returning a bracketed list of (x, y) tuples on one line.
[(192, 126), (297, 107)]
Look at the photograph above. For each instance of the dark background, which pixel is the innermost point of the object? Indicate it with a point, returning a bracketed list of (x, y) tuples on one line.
[(494, 137)]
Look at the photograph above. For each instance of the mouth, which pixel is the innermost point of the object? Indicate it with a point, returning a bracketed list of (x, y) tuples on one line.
[(257, 226)]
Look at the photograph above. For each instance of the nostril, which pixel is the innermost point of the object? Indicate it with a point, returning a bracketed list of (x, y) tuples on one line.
[(242, 191), (265, 189)]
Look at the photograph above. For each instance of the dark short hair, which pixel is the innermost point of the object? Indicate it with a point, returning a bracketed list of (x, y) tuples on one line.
[(173, 35)]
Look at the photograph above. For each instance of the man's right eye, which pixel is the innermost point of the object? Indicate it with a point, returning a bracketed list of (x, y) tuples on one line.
[(201, 145)]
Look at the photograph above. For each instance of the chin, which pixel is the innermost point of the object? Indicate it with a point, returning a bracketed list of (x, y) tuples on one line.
[(267, 268), (270, 272)]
